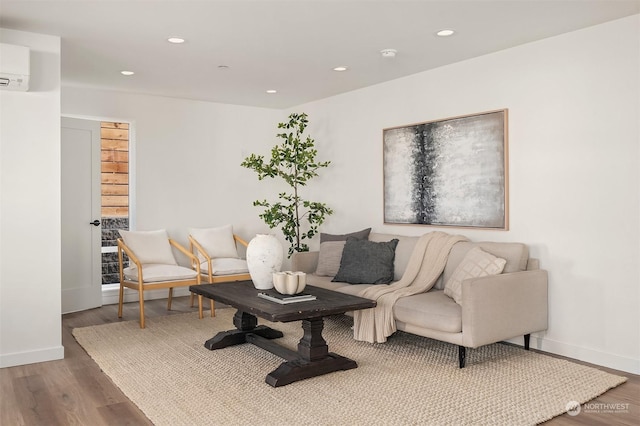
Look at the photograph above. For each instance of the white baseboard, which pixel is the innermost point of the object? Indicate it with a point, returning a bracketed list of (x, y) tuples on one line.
[(110, 294), (31, 357), (591, 356)]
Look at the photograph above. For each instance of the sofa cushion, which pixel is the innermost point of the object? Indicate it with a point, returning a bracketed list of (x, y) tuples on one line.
[(367, 262), (331, 246), (329, 258), (515, 254), (432, 310), (404, 249), (353, 289), (476, 263), (358, 235), (324, 282)]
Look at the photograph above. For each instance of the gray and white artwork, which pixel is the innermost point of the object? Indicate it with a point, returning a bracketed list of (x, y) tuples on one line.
[(449, 172)]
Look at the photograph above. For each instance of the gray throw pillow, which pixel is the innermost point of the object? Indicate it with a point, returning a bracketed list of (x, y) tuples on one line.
[(360, 235), (331, 251), (367, 262)]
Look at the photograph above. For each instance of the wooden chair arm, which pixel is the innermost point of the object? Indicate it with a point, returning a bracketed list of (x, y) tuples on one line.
[(240, 240), (191, 256), (194, 243), (123, 247)]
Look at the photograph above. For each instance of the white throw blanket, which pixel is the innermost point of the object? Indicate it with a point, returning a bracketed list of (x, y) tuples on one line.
[(427, 262)]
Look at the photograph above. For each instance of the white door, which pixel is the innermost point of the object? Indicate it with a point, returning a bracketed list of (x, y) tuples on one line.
[(81, 230)]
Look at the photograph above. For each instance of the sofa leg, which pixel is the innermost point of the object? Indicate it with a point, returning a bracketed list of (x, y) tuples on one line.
[(527, 338), (462, 353)]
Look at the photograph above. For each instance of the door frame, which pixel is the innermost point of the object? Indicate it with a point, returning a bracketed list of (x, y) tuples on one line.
[(110, 291)]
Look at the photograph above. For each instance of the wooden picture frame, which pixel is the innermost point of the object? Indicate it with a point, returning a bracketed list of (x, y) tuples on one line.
[(450, 172)]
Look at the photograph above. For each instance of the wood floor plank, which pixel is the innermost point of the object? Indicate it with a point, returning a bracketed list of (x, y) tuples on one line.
[(35, 401), (123, 413), (75, 391)]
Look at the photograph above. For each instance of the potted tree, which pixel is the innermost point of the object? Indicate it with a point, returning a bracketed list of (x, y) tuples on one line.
[(294, 161)]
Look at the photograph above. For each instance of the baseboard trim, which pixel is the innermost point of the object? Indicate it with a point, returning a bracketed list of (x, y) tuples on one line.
[(591, 356), (31, 357)]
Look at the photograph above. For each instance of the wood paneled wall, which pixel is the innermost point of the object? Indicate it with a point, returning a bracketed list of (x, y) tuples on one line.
[(115, 169)]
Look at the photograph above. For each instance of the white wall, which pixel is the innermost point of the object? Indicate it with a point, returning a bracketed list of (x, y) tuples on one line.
[(30, 329), (187, 157), (574, 112)]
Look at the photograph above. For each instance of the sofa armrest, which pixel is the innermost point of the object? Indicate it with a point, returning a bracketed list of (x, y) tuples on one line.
[(504, 306), (305, 261)]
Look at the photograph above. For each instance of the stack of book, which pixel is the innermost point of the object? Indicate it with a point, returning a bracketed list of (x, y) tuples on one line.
[(284, 299)]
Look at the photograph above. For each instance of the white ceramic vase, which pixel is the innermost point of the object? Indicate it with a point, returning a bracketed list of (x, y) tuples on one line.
[(264, 257)]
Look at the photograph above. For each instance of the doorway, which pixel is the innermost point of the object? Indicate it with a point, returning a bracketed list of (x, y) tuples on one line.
[(96, 182)]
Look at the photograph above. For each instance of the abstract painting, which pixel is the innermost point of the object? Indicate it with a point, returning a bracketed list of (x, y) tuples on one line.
[(451, 172)]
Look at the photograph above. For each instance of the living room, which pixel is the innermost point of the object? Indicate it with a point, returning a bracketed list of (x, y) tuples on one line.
[(574, 187)]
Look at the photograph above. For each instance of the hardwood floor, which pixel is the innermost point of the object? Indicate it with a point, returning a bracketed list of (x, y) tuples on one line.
[(74, 391)]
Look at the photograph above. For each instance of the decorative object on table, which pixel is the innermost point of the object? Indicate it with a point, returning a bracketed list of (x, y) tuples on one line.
[(289, 282), (451, 172), (285, 299), (295, 162), (264, 257)]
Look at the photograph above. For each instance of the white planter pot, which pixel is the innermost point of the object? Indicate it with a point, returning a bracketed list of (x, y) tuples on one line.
[(264, 257)]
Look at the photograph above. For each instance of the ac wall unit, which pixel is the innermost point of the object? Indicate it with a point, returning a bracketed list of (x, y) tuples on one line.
[(14, 67)]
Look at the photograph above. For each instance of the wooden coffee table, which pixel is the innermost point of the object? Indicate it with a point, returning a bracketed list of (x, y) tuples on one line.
[(312, 357)]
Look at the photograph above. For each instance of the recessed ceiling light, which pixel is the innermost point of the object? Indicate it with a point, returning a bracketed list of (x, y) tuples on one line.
[(271, 91), (223, 67), (127, 72), (175, 40), (340, 69), (445, 33)]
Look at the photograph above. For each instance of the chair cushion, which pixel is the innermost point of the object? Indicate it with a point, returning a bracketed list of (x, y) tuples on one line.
[(217, 242), (367, 262), (150, 246), (476, 263), (225, 266), (432, 310), (160, 273)]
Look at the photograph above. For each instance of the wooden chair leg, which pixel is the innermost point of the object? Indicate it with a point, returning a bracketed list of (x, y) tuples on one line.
[(191, 300), (213, 308), (120, 300), (141, 297), (170, 298), (200, 313)]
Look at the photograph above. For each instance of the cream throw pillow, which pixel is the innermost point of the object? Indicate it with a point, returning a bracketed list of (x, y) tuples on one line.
[(217, 242), (477, 263), (329, 258), (150, 246)]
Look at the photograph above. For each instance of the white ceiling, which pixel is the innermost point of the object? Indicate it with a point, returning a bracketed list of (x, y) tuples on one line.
[(290, 46)]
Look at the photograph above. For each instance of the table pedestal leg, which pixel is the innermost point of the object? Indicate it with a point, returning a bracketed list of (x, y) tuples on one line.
[(314, 358), (245, 324)]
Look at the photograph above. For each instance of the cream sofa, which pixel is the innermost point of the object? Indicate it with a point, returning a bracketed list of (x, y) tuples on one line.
[(492, 309)]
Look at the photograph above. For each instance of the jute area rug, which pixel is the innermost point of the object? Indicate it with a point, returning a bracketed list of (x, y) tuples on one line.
[(166, 371)]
